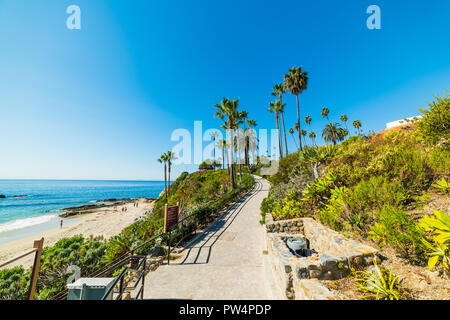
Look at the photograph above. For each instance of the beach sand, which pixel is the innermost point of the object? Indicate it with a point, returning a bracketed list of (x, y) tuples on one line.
[(104, 221)]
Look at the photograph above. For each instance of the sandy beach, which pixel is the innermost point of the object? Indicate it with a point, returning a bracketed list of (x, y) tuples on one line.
[(105, 221)]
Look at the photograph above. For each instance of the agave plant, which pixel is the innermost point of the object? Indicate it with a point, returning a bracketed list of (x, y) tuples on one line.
[(439, 227), (379, 284), (443, 185)]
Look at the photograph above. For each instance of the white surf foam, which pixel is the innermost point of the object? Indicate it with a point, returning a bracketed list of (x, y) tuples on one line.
[(24, 223)]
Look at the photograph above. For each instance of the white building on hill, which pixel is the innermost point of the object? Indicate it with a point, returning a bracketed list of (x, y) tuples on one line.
[(402, 122)]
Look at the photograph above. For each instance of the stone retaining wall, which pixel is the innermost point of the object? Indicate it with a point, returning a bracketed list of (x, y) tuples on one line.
[(299, 277)]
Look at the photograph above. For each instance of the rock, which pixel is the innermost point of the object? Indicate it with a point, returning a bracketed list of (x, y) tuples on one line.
[(158, 252), (2, 196)]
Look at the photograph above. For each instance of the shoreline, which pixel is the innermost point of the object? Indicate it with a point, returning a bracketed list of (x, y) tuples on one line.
[(101, 220)]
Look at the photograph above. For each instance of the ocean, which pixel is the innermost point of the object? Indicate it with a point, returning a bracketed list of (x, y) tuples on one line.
[(39, 211)]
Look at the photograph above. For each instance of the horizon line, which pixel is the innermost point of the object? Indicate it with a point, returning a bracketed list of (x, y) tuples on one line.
[(46, 179)]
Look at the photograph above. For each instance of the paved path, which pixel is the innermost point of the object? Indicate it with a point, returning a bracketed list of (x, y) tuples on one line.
[(225, 261)]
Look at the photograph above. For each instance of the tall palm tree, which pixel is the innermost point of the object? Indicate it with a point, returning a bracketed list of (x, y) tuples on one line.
[(214, 135), (357, 124), (252, 143), (170, 157), (308, 120), (163, 159), (226, 111), (296, 81), (303, 133), (278, 90), (284, 128), (325, 112), (333, 132), (291, 131), (244, 116), (275, 107), (239, 119), (344, 119), (312, 136)]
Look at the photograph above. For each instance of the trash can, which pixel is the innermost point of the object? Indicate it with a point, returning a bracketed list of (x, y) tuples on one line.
[(90, 289)]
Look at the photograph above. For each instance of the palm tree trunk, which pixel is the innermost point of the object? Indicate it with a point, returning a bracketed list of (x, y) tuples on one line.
[(253, 149), (230, 130), (279, 136), (168, 184), (295, 141), (223, 158), (214, 143), (165, 180), (298, 118), (284, 132), (239, 153)]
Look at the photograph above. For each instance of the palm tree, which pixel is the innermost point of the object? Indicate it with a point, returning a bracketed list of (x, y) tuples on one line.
[(244, 116), (333, 132), (357, 124), (344, 119), (312, 136), (239, 119), (308, 120), (325, 112), (296, 81), (303, 133), (275, 107), (214, 135), (170, 157), (278, 90), (291, 131), (252, 143), (222, 144), (226, 111), (163, 159)]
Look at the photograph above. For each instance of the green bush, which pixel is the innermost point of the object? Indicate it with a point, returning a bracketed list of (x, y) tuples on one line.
[(84, 253), (398, 229), (14, 283), (434, 127)]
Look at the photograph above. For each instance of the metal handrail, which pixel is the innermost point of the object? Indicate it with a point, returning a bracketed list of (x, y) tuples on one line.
[(119, 277), (126, 257)]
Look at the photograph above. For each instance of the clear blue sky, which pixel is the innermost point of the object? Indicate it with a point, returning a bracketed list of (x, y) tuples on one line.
[(102, 102)]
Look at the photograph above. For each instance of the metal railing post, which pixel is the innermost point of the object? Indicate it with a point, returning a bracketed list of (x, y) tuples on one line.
[(121, 287), (168, 249), (143, 279)]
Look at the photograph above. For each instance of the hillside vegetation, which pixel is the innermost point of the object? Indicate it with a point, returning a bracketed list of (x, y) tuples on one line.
[(390, 189)]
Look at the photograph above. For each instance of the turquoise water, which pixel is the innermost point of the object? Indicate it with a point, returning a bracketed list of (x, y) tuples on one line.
[(48, 197)]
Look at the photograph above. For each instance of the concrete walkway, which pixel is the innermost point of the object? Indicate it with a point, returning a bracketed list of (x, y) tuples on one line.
[(225, 261)]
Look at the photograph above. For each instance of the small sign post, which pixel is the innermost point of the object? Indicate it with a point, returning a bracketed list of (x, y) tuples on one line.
[(170, 220), (170, 217)]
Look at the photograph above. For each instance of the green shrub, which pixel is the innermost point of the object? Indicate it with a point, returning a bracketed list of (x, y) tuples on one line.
[(14, 283), (289, 209), (375, 193), (434, 127), (398, 229)]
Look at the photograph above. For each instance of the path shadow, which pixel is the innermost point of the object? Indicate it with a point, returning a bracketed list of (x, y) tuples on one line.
[(208, 237)]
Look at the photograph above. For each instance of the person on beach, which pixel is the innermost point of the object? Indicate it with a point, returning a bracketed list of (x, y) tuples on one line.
[(61, 224)]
